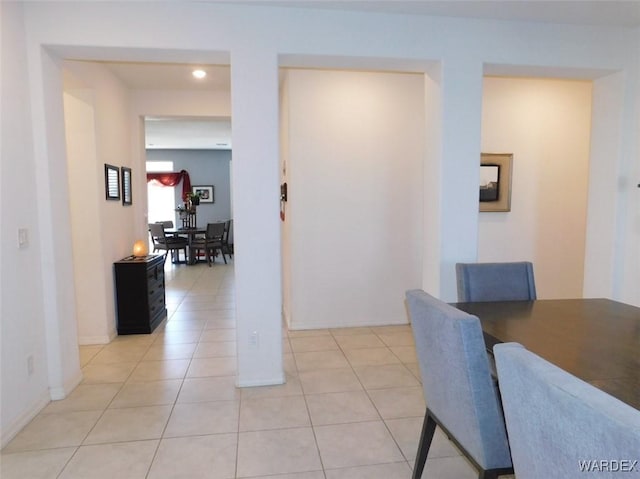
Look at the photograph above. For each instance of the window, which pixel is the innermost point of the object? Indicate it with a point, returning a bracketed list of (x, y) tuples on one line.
[(160, 198)]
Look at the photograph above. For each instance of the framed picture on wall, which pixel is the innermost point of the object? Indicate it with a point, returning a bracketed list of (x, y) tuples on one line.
[(112, 182), (127, 199), (495, 182), (205, 192)]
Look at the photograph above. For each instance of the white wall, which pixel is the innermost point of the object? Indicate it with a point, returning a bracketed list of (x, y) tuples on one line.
[(97, 132), (354, 172), (602, 245), (546, 125), (432, 184), (94, 326), (630, 282), (22, 309), (259, 39), (285, 230)]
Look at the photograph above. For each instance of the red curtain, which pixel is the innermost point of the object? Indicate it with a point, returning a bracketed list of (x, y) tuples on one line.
[(172, 179)]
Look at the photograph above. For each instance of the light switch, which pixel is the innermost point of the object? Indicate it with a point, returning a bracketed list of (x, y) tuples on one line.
[(23, 237)]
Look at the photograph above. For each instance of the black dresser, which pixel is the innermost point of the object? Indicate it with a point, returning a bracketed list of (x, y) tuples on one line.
[(140, 293)]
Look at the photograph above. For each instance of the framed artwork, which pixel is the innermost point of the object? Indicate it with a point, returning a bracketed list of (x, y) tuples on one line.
[(495, 182), (204, 192), (127, 199), (112, 182)]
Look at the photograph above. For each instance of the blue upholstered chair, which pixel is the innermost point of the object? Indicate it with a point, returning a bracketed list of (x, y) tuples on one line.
[(495, 281), (460, 394), (557, 422)]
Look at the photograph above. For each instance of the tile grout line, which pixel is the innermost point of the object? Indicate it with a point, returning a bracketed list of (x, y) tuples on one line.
[(366, 391)]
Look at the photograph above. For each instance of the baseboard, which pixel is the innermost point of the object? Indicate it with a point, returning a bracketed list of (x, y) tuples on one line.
[(9, 432), (261, 382), (303, 325), (69, 385)]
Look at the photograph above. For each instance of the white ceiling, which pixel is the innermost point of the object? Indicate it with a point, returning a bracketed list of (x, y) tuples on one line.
[(215, 133), (171, 76), (188, 133), (182, 133)]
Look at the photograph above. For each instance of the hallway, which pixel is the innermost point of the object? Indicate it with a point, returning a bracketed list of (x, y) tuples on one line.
[(165, 405)]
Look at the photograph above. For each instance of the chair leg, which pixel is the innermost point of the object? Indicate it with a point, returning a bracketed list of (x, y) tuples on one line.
[(223, 256), (428, 430)]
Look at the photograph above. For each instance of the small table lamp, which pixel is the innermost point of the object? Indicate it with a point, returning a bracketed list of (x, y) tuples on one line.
[(140, 248)]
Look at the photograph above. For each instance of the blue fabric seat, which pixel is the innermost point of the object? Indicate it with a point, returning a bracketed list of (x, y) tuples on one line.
[(461, 397), (560, 426), (495, 281)]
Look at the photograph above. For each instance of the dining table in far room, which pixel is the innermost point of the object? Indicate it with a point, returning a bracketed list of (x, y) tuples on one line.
[(190, 234)]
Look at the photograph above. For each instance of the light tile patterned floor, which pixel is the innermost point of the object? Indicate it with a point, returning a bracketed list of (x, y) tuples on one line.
[(165, 405)]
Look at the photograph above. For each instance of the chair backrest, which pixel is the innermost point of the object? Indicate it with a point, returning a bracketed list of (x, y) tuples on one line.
[(157, 231), (229, 238), (167, 223), (457, 384), (560, 426), (495, 281), (215, 231), (227, 230)]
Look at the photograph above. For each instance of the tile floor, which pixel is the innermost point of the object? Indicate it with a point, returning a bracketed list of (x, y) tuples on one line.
[(165, 405)]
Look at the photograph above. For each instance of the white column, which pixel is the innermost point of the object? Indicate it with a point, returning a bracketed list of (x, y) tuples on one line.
[(461, 97), (432, 185), (55, 225), (254, 90), (603, 210)]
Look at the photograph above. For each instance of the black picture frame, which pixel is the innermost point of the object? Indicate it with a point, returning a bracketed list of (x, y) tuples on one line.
[(205, 191), (495, 182), (111, 182), (127, 198)]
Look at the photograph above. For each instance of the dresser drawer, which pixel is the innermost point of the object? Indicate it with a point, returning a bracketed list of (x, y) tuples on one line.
[(156, 303), (155, 286), (140, 294)]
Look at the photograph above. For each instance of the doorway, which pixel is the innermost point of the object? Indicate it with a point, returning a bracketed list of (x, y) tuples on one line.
[(160, 198)]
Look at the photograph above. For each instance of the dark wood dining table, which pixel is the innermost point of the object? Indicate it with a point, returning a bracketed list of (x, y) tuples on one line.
[(597, 340), (190, 234)]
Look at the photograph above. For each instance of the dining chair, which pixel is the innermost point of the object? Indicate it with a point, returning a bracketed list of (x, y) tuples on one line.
[(495, 281), (167, 243), (226, 244), (211, 242), (461, 397), (560, 426)]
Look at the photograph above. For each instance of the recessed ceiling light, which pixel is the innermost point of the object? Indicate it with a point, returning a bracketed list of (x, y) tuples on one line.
[(199, 74)]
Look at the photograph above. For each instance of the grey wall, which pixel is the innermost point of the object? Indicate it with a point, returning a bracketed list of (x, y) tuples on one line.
[(205, 167)]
